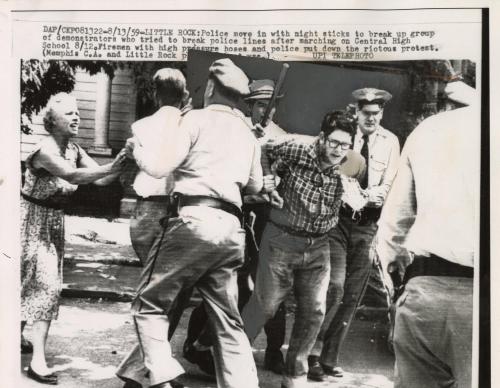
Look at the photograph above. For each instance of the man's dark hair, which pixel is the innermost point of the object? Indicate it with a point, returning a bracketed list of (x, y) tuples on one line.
[(338, 120), (223, 91), (170, 86)]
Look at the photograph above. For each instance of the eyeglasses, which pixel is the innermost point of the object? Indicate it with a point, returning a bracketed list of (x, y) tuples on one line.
[(335, 144)]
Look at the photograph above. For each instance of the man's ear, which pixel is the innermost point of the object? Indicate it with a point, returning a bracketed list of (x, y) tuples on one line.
[(155, 98), (209, 91), (185, 96), (322, 137)]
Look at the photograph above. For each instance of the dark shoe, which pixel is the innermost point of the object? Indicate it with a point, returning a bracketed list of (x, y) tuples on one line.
[(169, 384), (316, 372), (26, 347), (47, 379), (335, 372), (273, 361), (202, 358), (176, 384), (131, 383)]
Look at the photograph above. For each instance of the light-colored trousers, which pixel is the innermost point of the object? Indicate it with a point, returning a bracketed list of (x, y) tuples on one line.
[(433, 333), (145, 226)]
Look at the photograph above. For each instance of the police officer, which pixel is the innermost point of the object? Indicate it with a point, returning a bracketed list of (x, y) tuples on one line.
[(256, 210), (260, 95), (351, 239)]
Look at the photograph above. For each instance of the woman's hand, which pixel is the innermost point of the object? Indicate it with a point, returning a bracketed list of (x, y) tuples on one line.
[(129, 147), (119, 161)]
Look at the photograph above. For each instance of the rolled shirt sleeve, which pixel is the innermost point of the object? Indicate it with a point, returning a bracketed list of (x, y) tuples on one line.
[(255, 180), (398, 216)]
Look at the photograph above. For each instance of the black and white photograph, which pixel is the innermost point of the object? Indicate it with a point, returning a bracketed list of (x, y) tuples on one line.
[(238, 220)]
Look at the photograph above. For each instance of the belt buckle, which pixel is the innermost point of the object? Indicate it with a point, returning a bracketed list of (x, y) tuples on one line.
[(357, 215), (174, 205)]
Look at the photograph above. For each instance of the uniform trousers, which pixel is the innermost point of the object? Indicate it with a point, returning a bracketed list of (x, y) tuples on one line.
[(201, 248), (289, 262), (433, 333), (351, 265), (275, 328)]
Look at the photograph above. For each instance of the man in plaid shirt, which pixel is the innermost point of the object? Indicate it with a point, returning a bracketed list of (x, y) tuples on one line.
[(294, 250)]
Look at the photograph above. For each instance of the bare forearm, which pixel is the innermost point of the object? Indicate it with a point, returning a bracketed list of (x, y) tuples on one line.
[(86, 175), (107, 179)]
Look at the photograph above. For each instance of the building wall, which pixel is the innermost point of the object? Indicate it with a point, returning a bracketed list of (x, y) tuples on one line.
[(122, 112)]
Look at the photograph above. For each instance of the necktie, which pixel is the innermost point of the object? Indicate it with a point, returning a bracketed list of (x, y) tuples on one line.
[(365, 154)]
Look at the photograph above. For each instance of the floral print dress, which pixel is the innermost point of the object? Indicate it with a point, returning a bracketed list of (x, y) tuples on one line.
[(42, 239)]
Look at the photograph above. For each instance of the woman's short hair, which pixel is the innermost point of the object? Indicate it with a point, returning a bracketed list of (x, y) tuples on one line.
[(338, 120), (51, 107)]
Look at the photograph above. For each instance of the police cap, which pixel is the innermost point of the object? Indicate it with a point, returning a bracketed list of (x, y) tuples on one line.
[(230, 76)]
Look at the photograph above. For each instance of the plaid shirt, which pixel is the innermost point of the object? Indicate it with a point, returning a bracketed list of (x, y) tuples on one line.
[(312, 196)]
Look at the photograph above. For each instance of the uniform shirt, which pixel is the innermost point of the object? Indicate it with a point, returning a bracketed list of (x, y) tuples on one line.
[(312, 196), (151, 131), (383, 148), (213, 153), (433, 206)]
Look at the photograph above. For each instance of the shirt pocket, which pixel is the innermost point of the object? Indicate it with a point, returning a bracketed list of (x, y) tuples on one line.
[(377, 167)]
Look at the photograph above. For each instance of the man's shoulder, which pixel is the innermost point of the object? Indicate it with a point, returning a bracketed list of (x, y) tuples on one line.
[(275, 130), (155, 119), (448, 123), (385, 133)]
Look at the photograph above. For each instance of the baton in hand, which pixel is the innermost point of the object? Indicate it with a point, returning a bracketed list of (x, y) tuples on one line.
[(281, 79)]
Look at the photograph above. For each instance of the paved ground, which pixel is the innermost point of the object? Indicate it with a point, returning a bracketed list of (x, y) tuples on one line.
[(90, 338), (94, 330)]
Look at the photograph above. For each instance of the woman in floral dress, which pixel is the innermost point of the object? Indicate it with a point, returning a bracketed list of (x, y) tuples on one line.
[(54, 170)]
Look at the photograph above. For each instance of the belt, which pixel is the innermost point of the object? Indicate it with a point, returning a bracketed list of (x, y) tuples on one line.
[(436, 266), (155, 198), (295, 232), (202, 200), (366, 215), (43, 202)]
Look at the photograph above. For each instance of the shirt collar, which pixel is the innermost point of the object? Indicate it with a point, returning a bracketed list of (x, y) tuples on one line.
[(166, 110), (225, 108), (371, 136)]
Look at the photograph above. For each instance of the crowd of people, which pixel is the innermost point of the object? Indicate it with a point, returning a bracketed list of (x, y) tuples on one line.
[(245, 213)]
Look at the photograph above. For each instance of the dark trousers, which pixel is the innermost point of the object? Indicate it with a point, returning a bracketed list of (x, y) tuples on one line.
[(287, 263), (351, 265)]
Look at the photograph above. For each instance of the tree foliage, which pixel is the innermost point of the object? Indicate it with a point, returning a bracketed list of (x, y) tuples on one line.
[(42, 79)]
